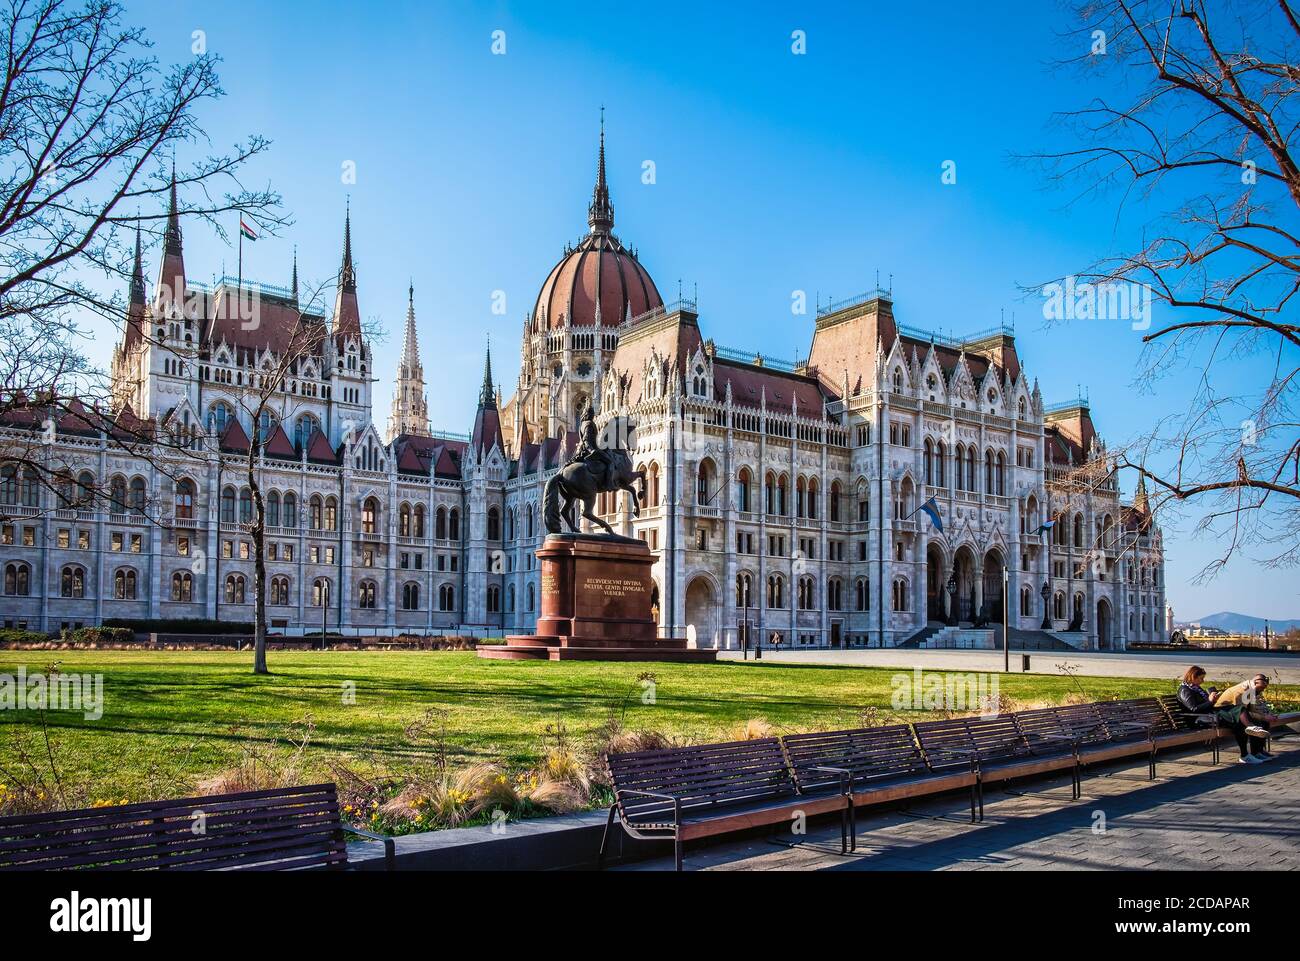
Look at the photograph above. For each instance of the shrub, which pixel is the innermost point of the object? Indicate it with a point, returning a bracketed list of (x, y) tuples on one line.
[(100, 635), (22, 638), (180, 625)]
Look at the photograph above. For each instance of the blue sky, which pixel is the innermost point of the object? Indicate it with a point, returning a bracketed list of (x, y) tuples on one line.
[(774, 173)]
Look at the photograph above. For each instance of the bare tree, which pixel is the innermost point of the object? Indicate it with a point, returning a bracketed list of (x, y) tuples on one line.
[(89, 126), (269, 405), (1201, 125)]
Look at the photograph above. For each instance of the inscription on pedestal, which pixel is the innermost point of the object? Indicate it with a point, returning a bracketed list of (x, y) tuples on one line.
[(614, 586)]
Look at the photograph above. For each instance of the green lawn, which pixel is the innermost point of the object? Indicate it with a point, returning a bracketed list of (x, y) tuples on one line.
[(173, 718)]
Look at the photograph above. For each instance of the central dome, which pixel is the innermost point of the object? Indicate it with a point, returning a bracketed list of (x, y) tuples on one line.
[(600, 281)]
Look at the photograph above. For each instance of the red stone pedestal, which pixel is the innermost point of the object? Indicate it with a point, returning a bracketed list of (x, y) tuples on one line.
[(595, 606)]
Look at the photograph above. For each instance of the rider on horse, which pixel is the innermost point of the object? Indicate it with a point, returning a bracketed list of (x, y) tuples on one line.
[(598, 459)]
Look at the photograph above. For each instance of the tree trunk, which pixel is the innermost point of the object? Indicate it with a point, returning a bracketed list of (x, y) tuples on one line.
[(259, 567)]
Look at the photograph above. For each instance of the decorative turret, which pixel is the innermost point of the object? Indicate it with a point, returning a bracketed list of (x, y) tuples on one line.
[(487, 422), (171, 273), (600, 215), (347, 316), (410, 414), (486, 396), (1140, 501)]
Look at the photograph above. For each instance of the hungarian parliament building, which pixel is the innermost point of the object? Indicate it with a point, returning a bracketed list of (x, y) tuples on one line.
[(890, 489)]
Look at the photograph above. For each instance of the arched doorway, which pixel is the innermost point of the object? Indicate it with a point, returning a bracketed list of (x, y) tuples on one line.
[(936, 581), (993, 585), (963, 568), (1103, 625), (702, 611)]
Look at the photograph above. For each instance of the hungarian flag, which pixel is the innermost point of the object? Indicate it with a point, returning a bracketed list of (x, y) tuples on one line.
[(246, 230)]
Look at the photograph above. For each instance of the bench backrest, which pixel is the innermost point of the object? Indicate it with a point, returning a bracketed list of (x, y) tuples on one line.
[(284, 828), (1181, 718), (1083, 722), (870, 754), (704, 775), (951, 742), (1044, 730), (1134, 718)]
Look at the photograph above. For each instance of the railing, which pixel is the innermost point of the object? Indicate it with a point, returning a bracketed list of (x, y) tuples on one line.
[(1079, 401), (755, 359), (681, 303), (832, 306), (949, 340)]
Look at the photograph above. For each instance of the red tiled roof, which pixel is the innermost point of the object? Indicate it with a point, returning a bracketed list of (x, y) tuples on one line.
[(233, 438), (319, 449), (600, 269), (261, 323), (279, 444), (750, 383)]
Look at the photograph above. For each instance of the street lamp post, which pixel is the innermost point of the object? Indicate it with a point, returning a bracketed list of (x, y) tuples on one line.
[(1046, 592), (1006, 642)]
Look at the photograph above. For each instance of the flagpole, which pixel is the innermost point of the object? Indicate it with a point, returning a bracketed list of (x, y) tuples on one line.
[(240, 228)]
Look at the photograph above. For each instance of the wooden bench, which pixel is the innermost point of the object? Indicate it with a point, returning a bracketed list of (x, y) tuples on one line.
[(1001, 749), (883, 763), (280, 829), (710, 789)]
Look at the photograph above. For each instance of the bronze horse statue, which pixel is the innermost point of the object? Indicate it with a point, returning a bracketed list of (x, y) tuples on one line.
[(583, 480)]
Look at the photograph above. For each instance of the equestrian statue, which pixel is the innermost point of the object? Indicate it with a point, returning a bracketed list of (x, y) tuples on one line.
[(594, 469)]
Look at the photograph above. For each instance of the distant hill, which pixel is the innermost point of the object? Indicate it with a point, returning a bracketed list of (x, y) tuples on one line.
[(1235, 623)]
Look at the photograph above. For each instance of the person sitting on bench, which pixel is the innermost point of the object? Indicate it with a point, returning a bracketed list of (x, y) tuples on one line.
[(1194, 698), (1239, 707)]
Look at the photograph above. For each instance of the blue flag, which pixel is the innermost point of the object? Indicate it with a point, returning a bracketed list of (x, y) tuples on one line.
[(931, 510), (1045, 526)]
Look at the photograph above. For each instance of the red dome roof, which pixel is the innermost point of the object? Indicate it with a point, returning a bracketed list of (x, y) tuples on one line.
[(600, 271)]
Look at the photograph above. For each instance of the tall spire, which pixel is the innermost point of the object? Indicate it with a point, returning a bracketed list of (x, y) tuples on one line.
[(410, 413), (487, 394), (347, 315), (293, 283), (137, 272), (172, 235), (171, 271), (347, 273), (1140, 502), (411, 348), (600, 215)]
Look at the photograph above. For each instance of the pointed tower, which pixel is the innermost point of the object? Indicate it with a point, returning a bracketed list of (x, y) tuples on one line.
[(1140, 501), (600, 215), (348, 355), (171, 274), (293, 282), (487, 422), (410, 414), (347, 316), (135, 309)]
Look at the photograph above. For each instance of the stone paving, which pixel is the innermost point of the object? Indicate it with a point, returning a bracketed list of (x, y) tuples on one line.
[(1222, 665), (1193, 816)]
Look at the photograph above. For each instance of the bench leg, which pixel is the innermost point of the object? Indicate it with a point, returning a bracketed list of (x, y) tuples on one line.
[(604, 838), (980, 788), (677, 850), (1152, 773), (974, 788), (853, 826)]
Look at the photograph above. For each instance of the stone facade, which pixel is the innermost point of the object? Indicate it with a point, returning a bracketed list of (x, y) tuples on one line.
[(781, 500)]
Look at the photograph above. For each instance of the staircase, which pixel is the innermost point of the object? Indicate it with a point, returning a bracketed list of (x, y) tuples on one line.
[(932, 636)]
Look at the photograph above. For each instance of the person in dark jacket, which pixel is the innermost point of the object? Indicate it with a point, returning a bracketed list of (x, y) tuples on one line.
[(1194, 698)]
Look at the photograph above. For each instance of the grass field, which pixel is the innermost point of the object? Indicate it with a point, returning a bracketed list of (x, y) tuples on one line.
[(173, 719)]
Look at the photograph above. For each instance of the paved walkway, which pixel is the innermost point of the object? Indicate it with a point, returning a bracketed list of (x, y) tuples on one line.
[(1283, 668), (1192, 816)]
